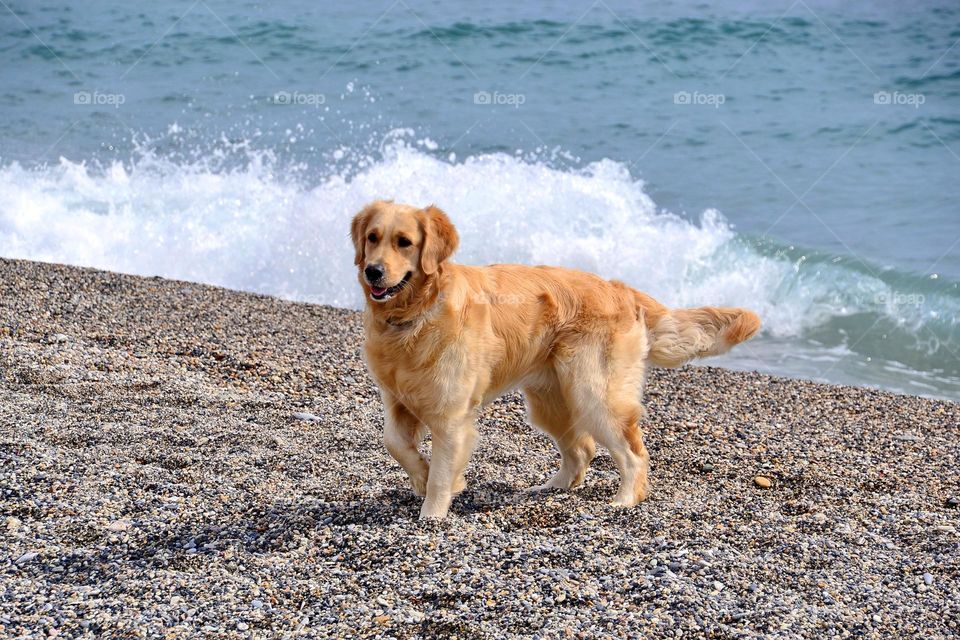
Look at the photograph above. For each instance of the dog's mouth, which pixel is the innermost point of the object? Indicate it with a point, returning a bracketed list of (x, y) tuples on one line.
[(382, 294)]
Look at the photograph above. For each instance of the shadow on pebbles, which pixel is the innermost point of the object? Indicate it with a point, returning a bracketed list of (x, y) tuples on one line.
[(178, 460)]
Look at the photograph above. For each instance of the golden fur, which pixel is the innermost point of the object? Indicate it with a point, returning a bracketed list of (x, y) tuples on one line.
[(449, 338)]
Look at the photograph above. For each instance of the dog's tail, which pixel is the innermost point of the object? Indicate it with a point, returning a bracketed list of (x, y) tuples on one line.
[(680, 335)]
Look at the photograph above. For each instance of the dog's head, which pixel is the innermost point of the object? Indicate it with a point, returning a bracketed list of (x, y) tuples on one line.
[(399, 246)]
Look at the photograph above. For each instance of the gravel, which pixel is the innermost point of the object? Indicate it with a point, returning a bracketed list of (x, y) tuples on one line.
[(178, 460)]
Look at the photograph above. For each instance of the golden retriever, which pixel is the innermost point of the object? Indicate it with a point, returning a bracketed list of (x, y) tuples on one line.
[(443, 339)]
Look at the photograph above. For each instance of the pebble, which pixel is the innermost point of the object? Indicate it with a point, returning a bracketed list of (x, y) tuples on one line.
[(928, 579), (318, 537), (762, 481), (27, 557), (907, 437), (119, 525), (13, 524), (953, 502)]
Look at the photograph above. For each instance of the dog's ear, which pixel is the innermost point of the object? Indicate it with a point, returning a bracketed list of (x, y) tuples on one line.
[(358, 231), (440, 239)]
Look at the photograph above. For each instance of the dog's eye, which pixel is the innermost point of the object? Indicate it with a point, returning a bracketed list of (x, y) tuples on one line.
[(403, 242), (372, 238)]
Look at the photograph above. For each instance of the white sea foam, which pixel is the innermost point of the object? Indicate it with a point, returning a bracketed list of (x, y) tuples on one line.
[(255, 228)]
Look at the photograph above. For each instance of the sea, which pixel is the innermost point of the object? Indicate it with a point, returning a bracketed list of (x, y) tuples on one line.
[(798, 158)]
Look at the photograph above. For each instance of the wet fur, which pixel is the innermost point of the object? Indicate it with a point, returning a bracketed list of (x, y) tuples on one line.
[(456, 337)]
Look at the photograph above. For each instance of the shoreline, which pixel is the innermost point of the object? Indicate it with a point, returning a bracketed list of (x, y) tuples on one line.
[(752, 356), (188, 460)]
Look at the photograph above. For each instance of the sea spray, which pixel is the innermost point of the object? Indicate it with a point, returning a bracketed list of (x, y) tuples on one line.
[(238, 218)]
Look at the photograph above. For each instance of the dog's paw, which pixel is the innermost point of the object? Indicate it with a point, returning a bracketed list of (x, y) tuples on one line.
[(550, 485), (433, 511), (540, 488), (629, 496), (433, 524), (625, 502)]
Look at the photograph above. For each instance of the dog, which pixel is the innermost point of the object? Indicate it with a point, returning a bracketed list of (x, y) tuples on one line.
[(443, 339)]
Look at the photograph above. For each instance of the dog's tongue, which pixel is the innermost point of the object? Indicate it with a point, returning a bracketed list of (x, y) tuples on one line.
[(377, 291)]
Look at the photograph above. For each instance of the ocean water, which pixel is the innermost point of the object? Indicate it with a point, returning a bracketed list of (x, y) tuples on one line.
[(800, 158)]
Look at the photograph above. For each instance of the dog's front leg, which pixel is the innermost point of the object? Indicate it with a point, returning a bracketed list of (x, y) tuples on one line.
[(452, 445), (402, 435)]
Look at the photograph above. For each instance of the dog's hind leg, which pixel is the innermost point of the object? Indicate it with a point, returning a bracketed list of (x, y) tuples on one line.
[(602, 385), (549, 412), (616, 428), (625, 442), (402, 434)]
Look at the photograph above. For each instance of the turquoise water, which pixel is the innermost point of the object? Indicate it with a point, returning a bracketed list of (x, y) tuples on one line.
[(799, 158)]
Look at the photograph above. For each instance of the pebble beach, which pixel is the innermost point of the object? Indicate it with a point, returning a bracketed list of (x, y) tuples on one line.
[(181, 461)]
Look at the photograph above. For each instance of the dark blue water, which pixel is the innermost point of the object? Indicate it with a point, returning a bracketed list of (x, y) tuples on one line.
[(801, 158)]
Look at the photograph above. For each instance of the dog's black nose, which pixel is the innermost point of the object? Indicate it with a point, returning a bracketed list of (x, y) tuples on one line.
[(374, 272)]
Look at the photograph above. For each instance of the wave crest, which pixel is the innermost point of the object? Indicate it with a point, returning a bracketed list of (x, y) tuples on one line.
[(258, 227)]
